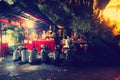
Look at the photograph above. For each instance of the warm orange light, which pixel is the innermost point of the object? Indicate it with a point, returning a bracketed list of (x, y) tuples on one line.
[(33, 36), (8, 38), (111, 15), (29, 23), (59, 26)]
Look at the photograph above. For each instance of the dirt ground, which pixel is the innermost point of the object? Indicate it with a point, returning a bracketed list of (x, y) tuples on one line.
[(10, 70)]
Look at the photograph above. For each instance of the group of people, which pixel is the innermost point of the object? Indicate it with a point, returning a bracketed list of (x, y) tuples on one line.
[(23, 55), (69, 50)]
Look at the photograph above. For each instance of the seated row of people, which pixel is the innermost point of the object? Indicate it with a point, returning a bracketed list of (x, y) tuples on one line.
[(30, 56), (25, 56)]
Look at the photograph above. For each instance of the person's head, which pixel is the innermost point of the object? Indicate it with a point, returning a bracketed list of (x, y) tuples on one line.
[(44, 31), (18, 44), (17, 48), (68, 37), (57, 47), (24, 48)]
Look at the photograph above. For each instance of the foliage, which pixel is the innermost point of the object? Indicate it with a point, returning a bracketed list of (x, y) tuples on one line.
[(72, 14)]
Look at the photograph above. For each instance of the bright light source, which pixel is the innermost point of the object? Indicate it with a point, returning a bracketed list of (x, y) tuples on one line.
[(8, 38), (33, 36), (29, 23), (111, 15), (59, 26), (9, 1)]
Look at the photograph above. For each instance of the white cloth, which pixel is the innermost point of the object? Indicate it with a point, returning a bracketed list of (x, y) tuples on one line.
[(16, 55), (32, 56), (56, 55), (24, 55)]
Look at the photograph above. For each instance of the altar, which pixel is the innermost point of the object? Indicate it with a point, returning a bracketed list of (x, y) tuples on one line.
[(37, 44)]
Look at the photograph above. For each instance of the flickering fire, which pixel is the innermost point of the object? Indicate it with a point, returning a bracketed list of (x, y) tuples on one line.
[(111, 15)]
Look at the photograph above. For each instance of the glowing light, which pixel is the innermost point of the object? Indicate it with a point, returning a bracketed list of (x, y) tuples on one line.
[(111, 16), (59, 26), (33, 36), (29, 23), (8, 38), (9, 1), (33, 18)]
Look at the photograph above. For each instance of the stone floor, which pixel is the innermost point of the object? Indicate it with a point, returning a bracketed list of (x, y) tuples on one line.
[(10, 70)]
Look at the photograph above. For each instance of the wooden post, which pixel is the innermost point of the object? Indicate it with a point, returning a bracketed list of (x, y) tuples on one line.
[(0, 41)]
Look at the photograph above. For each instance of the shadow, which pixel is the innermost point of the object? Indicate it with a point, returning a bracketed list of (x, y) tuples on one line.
[(36, 62)]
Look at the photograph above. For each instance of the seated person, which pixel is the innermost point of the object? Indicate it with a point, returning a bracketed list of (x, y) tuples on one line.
[(24, 54), (68, 42), (44, 53), (56, 55), (32, 55), (69, 55), (16, 55)]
